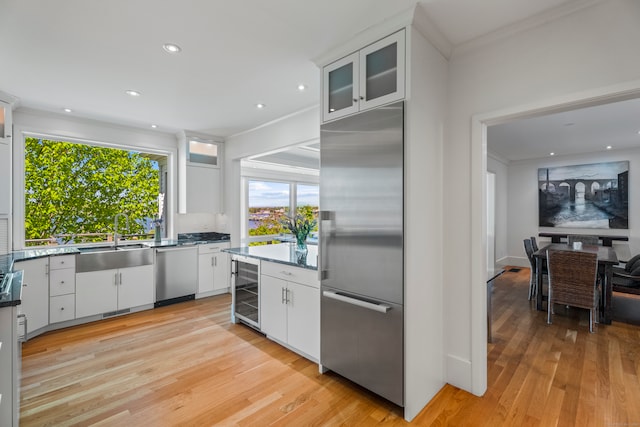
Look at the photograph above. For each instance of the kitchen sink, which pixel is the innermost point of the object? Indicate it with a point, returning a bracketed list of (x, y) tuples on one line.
[(123, 247), (109, 257)]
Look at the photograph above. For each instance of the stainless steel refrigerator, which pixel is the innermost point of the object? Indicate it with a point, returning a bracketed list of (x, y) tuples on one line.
[(361, 249)]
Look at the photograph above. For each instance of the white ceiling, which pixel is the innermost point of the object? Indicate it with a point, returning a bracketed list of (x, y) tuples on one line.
[(84, 54), (585, 130)]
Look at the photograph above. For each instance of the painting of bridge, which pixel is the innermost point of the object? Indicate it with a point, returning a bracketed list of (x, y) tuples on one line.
[(584, 196)]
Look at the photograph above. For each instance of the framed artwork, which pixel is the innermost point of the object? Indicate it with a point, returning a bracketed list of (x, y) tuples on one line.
[(584, 196)]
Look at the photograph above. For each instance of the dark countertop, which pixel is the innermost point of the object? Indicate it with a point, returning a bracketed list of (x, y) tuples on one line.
[(283, 253), (13, 290)]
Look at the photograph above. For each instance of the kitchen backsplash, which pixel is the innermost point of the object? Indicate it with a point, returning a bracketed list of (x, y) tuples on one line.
[(200, 223)]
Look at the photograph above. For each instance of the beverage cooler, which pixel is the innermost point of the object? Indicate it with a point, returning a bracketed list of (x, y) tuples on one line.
[(245, 286)]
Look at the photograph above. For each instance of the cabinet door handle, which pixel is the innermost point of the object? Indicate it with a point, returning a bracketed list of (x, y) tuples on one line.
[(24, 337), (62, 282), (287, 293), (355, 100), (212, 262), (120, 278), (215, 264), (115, 279), (283, 298), (61, 308), (46, 269), (286, 273)]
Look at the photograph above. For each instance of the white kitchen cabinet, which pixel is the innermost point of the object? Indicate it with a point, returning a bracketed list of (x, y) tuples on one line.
[(10, 367), (135, 286), (370, 77), (62, 308), (62, 288), (35, 292), (213, 268), (290, 307), (5, 158), (203, 189), (105, 291), (62, 282), (96, 292)]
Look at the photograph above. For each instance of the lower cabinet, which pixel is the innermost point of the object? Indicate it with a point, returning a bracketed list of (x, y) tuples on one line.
[(10, 367), (290, 311), (35, 292), (105, 291), (213, 268), (62, 288)]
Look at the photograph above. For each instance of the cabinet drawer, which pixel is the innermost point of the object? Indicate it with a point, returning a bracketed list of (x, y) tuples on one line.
[(61, 308), (62, 282), (291, 274), (212, 248), (62, 261)]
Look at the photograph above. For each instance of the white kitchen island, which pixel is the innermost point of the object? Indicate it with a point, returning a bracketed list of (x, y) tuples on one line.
[(289, 296)]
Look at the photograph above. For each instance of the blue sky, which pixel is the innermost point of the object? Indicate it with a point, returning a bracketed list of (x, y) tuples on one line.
[(273, 194)]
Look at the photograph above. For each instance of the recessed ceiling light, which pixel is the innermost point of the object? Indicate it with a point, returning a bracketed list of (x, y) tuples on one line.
[(302, 87), (154, 126), (331, 110), (609, 147), (260, 106), (171, 48), (67, 110), (552, 154), (132, 92)]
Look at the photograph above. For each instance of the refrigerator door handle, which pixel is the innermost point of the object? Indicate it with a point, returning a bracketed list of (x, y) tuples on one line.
[(380, 308), (325, 216)]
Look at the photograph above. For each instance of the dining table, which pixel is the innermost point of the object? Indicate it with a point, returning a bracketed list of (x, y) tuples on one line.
[(607, 258)]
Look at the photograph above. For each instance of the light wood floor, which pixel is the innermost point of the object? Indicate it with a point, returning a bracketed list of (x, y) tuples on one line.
[(186, 364)]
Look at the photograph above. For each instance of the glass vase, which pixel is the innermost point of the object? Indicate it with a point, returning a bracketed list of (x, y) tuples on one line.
[(301, 251)]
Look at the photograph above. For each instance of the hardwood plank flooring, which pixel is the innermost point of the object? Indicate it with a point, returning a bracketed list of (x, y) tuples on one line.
[(187, 365)]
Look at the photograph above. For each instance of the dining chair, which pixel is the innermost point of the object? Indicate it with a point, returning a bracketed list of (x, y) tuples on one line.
[(627, 280), (533, 282), (573, 281), (584, 238), (534, 244)]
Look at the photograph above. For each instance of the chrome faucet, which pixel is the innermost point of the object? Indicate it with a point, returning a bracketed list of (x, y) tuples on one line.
[(115, 227)]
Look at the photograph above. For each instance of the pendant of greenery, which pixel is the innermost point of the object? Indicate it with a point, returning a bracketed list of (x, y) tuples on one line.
[(299, 225), (74, 189)]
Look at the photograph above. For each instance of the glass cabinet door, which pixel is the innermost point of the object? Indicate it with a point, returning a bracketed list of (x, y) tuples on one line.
[(3, 110), (382, 71), (341, 88)]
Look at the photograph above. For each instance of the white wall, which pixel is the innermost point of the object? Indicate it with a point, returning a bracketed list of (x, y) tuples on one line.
[(584, 54), (523, 199), (289, 131), (500, 169)]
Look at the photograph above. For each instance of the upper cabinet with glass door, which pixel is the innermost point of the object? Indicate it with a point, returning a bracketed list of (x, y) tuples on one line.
[(372, 76)]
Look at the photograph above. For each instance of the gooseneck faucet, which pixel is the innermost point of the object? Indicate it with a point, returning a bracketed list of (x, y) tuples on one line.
[(115, 227)]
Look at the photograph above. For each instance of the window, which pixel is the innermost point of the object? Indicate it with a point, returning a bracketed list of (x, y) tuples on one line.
[(74, 191), (268, 201), (203, 152)]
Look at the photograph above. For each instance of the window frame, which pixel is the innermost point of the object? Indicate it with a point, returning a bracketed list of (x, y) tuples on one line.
[(18, 217), (291, 179)]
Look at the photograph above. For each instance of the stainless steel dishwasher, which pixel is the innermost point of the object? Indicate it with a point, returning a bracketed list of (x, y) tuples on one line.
[(176, 274)]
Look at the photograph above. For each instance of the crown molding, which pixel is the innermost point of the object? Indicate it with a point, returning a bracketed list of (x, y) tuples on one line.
[(14, 101), (524, 25)]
